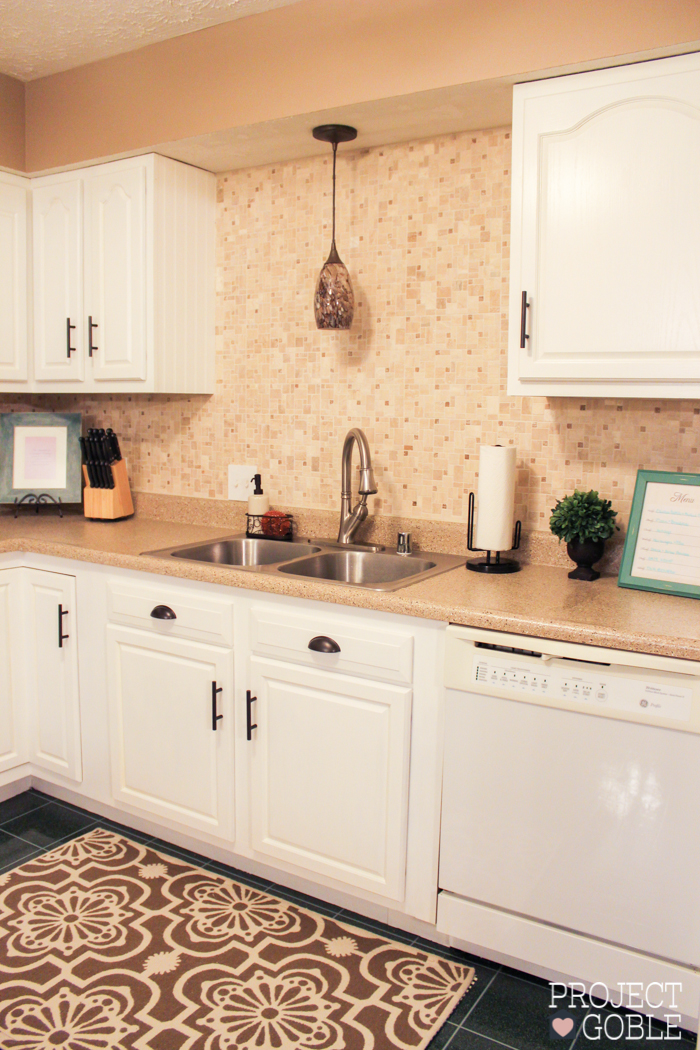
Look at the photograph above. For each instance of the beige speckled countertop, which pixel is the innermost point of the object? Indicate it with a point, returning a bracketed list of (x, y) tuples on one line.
[(539, 600)]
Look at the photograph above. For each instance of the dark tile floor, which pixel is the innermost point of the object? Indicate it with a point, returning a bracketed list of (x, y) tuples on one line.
[(504, 1007)]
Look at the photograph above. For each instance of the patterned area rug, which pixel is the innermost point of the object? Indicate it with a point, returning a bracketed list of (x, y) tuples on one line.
[(106, 944)]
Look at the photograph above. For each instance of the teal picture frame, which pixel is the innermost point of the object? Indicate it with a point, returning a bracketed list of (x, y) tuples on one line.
[(641, 583), (12, 423)]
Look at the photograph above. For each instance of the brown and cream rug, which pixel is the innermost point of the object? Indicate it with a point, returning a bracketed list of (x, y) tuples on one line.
[(106, 944)]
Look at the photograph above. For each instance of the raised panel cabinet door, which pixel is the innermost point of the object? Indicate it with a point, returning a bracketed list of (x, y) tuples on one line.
[(12, 737), (52, 672), (606, 225), (329, 761), (57, 210), (14, 366), (116, 273), (171, 735)]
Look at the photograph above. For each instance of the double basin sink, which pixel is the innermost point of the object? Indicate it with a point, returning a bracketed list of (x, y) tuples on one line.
[(353, 565)]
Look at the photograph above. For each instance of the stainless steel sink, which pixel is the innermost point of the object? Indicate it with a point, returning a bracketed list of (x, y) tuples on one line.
[(239, 551), (362, 568), (313, 560)]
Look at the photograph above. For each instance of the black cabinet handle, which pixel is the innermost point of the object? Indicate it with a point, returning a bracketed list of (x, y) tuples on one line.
[(249, 724), (214, 717), (91, 345), (163, 612), (523, 320), (61, 636), (69, 349), (322, 644)]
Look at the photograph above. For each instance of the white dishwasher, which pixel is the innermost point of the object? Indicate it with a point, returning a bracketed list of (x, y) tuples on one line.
[(570, 836)]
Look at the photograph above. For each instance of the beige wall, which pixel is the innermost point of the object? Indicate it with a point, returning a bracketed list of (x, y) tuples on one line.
[(424, 229), (320, 54), (11, 123)]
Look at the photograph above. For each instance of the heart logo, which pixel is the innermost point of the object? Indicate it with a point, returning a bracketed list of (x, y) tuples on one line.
[(563, 1025)]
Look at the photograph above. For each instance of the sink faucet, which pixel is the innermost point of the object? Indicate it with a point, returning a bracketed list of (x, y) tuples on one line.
[(350, 520)]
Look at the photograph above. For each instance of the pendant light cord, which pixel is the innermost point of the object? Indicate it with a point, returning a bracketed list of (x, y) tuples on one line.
[(335, 150)]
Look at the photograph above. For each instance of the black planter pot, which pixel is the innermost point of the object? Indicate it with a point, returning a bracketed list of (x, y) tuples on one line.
[(585, 553)]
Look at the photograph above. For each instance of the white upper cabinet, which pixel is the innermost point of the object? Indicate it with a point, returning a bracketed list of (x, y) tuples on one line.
[(124, 254), (115, 274), (58, 282), (606, 233), (13, 279)]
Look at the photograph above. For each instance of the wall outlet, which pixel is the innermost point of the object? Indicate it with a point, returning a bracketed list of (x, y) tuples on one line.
[(239, 484)]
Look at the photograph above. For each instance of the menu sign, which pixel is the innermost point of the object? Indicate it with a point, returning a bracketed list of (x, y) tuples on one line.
[(668, 542), (662, 546)]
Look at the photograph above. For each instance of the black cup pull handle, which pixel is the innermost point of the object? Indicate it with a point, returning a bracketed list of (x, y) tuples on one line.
[(250, 725), (323, 644), (214, 717), (524, 305), (163, 612), (69, 328), (91, 345), (61, 636)]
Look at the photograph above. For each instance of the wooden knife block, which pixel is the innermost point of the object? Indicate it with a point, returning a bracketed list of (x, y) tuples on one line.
[(109, 504)]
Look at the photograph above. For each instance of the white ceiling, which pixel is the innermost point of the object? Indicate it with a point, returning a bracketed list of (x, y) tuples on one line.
[(39, 37)]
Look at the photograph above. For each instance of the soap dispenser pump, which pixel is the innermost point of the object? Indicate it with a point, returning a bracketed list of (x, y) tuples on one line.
[(258, 502)]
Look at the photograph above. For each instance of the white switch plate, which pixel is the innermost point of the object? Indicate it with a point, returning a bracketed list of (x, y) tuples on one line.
[(240, 485)]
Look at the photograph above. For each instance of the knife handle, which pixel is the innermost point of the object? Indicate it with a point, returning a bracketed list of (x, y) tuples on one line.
[(114, 442)]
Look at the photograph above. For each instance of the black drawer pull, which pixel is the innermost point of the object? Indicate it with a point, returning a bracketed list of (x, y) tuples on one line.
[(323, 644), (250, 725), (163, 612), (524, 305), (214, 717), (61, 636)]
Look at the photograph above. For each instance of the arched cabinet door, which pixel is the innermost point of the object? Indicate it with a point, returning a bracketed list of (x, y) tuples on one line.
[(59, 328), (115, 272), (605, 292), (14, 360)]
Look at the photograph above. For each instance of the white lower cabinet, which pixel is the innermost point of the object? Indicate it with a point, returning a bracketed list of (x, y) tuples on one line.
[(171, 727), (329, 761), (344, 726), (53, 697), (13, 751)]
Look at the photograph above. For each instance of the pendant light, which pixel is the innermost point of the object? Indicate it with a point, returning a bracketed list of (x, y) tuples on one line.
[(334, 302)]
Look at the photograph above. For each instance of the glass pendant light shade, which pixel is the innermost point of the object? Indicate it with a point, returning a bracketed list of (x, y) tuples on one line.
[(334, 301)]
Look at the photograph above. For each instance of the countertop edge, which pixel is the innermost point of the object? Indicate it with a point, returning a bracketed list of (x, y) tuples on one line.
[(414, 600)]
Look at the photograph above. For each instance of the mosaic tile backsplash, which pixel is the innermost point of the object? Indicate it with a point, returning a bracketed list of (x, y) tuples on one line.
[(424, 230)]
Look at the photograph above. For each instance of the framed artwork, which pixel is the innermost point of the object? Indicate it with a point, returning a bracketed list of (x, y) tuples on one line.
[(40, 454), (662, 546)]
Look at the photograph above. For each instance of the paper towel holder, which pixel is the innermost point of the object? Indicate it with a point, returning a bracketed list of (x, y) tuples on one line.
[(499, 565)]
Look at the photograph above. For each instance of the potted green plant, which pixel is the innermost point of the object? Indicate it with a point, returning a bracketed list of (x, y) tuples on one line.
[(584, 521)]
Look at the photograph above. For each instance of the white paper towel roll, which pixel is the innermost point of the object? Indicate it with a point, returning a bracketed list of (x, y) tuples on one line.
[(495, 500)]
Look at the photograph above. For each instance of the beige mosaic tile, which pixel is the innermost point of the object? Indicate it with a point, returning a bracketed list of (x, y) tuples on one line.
[(424, 230)]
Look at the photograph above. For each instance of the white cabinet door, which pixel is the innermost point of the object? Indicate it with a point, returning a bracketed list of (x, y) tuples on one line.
[(12, 733), (52, 672), (13, 279), (115, 272), (58, 281), (606, 231), (169, 755), (329, 784)]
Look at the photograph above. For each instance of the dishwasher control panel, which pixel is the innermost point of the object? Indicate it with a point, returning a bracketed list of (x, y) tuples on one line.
[(647, 695)]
